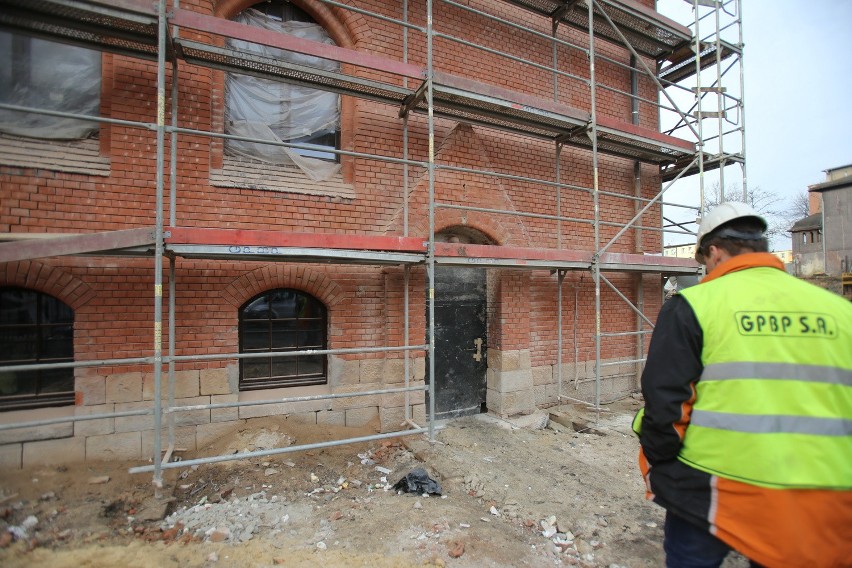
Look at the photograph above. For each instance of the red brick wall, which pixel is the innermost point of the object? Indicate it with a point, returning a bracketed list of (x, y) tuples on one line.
[(365, 303)]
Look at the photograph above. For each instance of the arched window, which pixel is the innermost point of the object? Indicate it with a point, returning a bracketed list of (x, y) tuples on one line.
[(279, 321), (35, 328), (48, 75), (272, 110)]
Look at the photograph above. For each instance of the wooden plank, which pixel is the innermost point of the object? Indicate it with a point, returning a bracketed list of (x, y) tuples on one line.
[(517, 253), (248, 237), (79, 244)]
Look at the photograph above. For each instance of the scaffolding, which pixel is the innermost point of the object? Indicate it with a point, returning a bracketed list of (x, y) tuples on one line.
[(687, 66)]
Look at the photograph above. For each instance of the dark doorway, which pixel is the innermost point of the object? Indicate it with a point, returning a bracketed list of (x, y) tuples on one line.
[(460, 341)]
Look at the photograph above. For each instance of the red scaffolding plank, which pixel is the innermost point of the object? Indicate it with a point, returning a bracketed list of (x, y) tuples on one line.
[(227, 28)]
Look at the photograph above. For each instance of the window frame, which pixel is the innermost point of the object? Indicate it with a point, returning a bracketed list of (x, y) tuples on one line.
[(286, 325), (39, 399), (324, 146)]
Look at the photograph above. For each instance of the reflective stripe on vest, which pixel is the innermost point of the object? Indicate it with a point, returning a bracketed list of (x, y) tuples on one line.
[(774, 402)]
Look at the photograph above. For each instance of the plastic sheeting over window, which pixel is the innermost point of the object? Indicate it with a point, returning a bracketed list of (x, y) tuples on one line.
[(48, 75), (268, 110)]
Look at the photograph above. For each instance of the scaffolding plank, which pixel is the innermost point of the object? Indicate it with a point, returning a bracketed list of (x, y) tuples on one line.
[(682, 63), (295, 254), (259, 238), (712, 163), (510, 257), (629, 262), (497, 107), (649, 32), (236, 30), (108, 242), (236, 61)]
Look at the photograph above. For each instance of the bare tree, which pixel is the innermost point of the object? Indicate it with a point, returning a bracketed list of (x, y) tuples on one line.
[(771, 205), (800, 206)]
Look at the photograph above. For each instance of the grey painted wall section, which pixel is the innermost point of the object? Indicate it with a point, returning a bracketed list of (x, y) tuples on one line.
[(837, 204)]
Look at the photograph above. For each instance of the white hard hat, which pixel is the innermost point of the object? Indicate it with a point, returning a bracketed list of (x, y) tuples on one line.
[(721, 214)]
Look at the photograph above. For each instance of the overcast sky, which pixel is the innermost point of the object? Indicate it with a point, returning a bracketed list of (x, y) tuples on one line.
[(797, 65)]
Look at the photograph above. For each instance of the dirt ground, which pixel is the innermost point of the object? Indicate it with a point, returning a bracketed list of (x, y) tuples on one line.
[(512, 494)]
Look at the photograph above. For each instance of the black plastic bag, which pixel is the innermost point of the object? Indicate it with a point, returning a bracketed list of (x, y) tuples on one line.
[(418, 481)]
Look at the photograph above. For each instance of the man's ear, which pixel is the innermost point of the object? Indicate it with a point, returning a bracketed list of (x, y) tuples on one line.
[(715, 253)]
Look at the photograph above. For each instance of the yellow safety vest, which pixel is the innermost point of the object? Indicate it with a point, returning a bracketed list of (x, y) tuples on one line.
[(773, 405)]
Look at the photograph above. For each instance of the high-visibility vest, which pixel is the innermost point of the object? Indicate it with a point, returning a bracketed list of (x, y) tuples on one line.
[(773, 405)]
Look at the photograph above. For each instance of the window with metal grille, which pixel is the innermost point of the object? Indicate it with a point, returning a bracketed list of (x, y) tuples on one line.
[(35, 328), (279, 321)]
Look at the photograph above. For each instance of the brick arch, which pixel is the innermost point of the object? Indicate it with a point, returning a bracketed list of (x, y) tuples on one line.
[(274, 276), (323, 14), (48, 280), (338, 23), (482, 222)]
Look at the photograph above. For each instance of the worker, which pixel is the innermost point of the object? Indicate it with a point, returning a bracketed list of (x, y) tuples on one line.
[(746, 433)]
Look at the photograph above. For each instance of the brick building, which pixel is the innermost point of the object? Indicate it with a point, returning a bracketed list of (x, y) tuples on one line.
[(444, 191)]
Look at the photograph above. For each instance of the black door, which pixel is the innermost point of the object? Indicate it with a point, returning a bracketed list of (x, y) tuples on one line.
[(460, 342)]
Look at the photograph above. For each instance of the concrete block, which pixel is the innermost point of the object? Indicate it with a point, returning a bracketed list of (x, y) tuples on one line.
[(332, 417), (524, 359), (343, 371), (509, 381), (215, 382), (47, 432), (392, 419), (509, 360), (284, 408), (568, 372), (420, 369), (207, 434), (114, 447), (543, 375), (184, 439), (552, 393), (54, 452), (372, 370), (91, 390), (11, 456), (357, 401), (186, 385), (540, 395), (125, 387), (509, 404), (418, 412), (191, 417), (95, 427), (303, 417), (356, 417), (134, 423), (224, 414), (395, 371), (398, 398)]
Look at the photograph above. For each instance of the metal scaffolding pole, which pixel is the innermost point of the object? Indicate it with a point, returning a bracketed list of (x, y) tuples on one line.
[(430, 255), (158, 239)]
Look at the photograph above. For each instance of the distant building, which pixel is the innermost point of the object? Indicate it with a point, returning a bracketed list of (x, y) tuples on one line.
[(822, 241), (688, 251), (786, 256), (679, 251)]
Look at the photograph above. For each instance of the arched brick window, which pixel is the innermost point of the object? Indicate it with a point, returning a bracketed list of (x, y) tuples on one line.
[(282, 320), (264, 109), (35, 328)]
